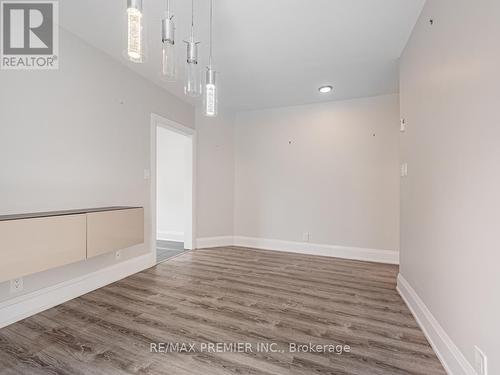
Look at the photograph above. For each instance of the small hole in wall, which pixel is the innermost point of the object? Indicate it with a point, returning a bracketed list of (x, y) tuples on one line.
[(289, 142), (431, 22), (374, 134)]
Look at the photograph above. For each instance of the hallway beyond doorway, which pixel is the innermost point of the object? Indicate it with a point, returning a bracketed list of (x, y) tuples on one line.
[(168, 249)]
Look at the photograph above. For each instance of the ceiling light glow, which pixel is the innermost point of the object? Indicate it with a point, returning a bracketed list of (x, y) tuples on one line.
[(325, 89)]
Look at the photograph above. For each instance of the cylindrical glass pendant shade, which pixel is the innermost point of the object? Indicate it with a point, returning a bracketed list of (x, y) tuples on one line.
[(210, 97), (168, 62), (192, 85), (210, 100), (168, 49), (135, 31)]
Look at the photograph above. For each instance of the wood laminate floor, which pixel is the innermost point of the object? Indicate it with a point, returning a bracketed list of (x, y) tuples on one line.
[(229, 295)]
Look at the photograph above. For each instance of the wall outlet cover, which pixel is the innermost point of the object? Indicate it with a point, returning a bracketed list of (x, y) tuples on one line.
[(306, 236), (16, 285)]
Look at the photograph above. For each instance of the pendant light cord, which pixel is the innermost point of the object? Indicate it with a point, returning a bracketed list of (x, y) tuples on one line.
[(211, 27), (192, 20)]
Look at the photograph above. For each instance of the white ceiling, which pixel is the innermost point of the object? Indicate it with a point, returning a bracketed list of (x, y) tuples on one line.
[(269, 52)]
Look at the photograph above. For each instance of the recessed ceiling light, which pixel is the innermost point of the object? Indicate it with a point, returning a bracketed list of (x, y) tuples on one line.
[(325, 89)]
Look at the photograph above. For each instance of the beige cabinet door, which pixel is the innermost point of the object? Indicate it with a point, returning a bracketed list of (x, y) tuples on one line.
[(33, 245), (114, 230)]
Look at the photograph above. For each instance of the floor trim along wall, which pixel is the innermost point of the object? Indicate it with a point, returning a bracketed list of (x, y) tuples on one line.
[(208, 242), (170, 236), (448, 353), (371, 255), (29, 304)]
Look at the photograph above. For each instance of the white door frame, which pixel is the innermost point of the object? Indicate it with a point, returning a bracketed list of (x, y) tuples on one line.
[(190, 182)]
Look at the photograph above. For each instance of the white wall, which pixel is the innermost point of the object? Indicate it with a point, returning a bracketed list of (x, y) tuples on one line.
[(215, 175), (450, 96), (170, 181), (330, 169), (78, 137)]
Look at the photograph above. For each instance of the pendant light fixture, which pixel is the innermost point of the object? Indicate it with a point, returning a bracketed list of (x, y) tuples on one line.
[(192, 84), (168, 45), (210, 98), (135, 31)]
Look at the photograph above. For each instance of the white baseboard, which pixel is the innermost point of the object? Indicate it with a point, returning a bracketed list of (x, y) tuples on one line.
[(356, 253), (30, 304), (454, 362), (170, 236), (208, 242), (371, 255)]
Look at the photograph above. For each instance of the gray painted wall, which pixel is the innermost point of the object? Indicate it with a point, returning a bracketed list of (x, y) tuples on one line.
[(450, 96), (319, 168), (78, 137)]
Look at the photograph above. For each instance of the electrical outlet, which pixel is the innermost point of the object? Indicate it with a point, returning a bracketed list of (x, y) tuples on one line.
[(16, 285), (306, 236), (480, 361), (118, 255)]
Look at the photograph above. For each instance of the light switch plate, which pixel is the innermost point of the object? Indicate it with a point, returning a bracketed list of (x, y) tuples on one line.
[(404, 170), (480, 361), (16, 285), (403, 125)]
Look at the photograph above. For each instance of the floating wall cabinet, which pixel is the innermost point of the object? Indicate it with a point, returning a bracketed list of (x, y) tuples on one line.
[(31, 243), (114, 230)]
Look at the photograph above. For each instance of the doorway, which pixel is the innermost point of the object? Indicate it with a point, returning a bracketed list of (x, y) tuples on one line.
[(172, 188)]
